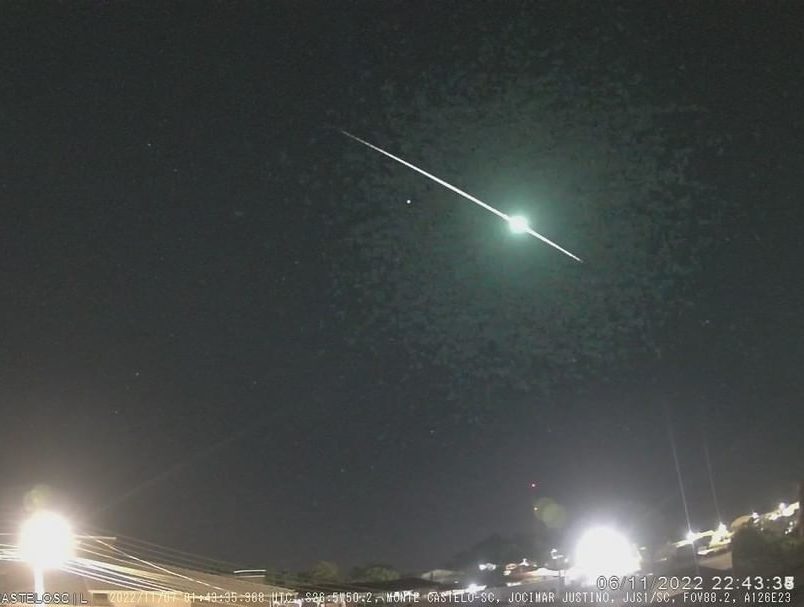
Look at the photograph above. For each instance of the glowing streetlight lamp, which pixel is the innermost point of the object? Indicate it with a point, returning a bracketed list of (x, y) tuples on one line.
[(605, 551), (46, 541)]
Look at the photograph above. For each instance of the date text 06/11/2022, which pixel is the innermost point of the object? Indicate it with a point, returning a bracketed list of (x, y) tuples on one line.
[(674, 584)]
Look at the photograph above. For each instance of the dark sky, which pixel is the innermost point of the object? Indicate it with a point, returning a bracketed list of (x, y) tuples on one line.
[(173, 365)]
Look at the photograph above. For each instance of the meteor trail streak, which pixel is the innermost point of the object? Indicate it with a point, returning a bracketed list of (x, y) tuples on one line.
[(477, 201)]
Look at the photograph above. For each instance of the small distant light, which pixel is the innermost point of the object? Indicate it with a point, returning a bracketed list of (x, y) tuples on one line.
[(782, 506), (407, 201), (721, 528), (754, 515)]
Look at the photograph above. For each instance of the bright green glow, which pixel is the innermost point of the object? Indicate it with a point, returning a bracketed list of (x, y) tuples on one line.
[(518, 224)]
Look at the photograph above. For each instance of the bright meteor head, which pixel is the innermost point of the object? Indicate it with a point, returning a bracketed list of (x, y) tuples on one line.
[(518, 224)]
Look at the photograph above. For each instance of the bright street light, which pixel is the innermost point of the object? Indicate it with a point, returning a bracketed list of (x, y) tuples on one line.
[(46, 541), (605, 551)]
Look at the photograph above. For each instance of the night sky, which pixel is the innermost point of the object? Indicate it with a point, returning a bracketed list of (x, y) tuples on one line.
[(201, 349)]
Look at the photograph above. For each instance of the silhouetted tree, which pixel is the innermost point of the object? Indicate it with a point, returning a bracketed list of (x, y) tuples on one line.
[(374, 573), (323, 572), (759, 552)]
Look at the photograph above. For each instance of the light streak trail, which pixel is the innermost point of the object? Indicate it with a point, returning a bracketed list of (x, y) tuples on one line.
[(100, 573), (155, 566), (125, 572), (460, 192), (100, 578)]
